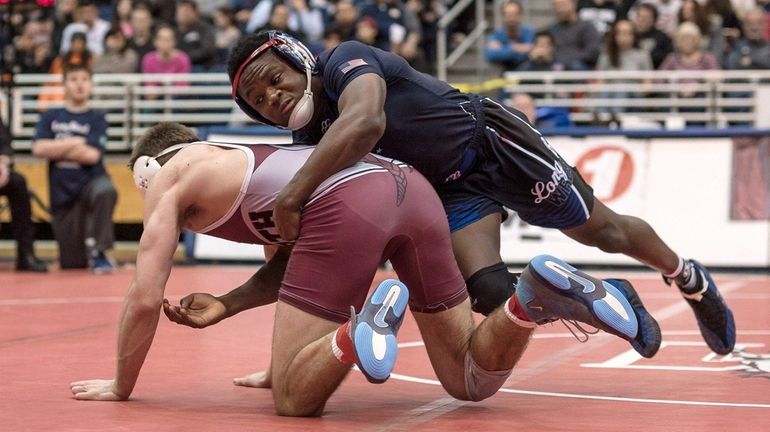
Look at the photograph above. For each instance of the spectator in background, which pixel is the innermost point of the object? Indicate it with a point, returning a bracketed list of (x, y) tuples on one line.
[(345, 20), (688, 51), (33, 48), (64, 16), (650, 38), (542, 55), (603, 13), (83, 198), (689, 55), (117, 57), (14, 188), (577, 42), (753, 50), (621, 50), (332, 38), (622, 53), (206, 8), (540, 117), (195, 37), (303, 19), (398, 28), (713, 39), (366, 31), (723, 16), (509, 46), (142, 25), (78, 54), (87, 21), (279, 20), (667, 14), (166, 58), (225, 32), (121, 17)]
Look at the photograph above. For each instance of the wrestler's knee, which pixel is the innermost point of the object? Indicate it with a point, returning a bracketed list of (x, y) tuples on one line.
[(490, 287), (292, 407)]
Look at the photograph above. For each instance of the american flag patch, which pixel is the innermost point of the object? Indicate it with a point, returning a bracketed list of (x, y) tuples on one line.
[(349, 66)]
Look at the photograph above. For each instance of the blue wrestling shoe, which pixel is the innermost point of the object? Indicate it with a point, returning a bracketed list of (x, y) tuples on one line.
[(373, 331), (715, 319), (550, 289)]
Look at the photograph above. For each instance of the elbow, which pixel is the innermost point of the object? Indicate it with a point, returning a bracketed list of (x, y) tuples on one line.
[(371, 128), (37, 150)]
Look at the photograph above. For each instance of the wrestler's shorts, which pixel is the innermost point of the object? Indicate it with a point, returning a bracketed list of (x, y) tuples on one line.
[(349, 232), (516, 168)]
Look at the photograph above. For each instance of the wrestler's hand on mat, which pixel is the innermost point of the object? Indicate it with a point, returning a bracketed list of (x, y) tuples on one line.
[(98, 390), (255, 380), (196, 310), (286, 215)]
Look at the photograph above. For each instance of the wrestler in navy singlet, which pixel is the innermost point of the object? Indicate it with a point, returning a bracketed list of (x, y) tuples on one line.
[(478, 154)]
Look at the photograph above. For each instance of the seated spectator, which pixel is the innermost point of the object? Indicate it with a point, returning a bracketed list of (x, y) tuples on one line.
[(366, 31), (279, 20), (345, 19), (14, 188), (142, 25), (723, 16), (78, 55), (121, 17), (303, 19), (712, 38), (64, 15), (603, 13), (753, 50), (688, 51), (117, 57), (33, 48), (87, 21), (689, 55), (195, 36), (542, 55), (622, 52), (398, 28), (332, 38), (225, 32), (540, 117), (650, 38), (667, 14), (166, 58), (82, 197), (577, 43), (508, 46)]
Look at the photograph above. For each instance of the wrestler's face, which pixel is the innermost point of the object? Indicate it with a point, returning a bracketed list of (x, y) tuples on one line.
[(272, 87)]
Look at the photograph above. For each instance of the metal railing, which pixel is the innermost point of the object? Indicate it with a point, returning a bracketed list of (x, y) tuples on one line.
[(648, 98), (134, 102), (445, 60)]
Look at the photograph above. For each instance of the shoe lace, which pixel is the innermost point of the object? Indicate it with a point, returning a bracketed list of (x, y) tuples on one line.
[(580, 329)]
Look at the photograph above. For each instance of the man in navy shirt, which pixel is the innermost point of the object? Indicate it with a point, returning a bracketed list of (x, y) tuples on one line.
[(479, 155), (82, 195)]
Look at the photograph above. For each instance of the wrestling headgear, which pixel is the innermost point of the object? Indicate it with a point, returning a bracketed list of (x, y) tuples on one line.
[(297, 54), (146, 167)]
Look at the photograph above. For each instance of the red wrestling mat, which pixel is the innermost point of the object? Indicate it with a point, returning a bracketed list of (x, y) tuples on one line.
[(62, 327)]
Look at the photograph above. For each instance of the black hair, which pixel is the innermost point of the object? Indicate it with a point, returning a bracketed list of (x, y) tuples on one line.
[(243, 49)]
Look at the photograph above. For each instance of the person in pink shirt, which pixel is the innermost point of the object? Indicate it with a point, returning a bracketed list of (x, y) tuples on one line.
[(166, 58)]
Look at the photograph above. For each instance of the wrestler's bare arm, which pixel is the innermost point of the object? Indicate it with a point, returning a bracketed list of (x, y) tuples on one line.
[(199, 310), (166, 202)]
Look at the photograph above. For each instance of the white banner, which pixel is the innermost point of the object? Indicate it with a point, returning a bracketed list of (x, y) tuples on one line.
[(680, 186)]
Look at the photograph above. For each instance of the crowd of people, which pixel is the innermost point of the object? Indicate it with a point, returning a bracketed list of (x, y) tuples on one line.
[(630, 35), (124, 36)]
